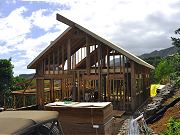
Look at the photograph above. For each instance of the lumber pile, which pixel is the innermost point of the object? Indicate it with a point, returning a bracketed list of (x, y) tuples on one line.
[(89, 118)]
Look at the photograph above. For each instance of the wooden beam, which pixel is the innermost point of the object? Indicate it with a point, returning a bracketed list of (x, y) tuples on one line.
[(40, 92), (62, 56), (133, 89), (14, 101), (44, 65), (78, 87), (124, 87), (99, 73), (53, 62), (52, 90), (115, 77), (69, 54), (56, 76), (49, 64), (90, 77), (58, 59), (107, 80), (64, 20), (87, 55)]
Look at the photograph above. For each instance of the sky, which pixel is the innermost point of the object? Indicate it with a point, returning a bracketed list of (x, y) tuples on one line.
[(140, 26)]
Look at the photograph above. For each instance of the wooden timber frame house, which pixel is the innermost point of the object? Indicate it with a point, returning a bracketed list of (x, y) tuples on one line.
[(81, 62)]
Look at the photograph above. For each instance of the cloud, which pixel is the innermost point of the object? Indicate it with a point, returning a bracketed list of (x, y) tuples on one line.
[(125, 22), (42, 20), (14, 27), (138, 26), (10, 1), (14, 39), (32, 47), (4, 50)]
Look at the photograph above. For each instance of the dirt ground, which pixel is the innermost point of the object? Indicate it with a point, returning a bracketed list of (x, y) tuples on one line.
[(161, 124)]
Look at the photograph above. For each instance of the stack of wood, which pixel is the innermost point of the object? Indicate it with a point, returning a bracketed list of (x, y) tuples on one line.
[(85, 118)]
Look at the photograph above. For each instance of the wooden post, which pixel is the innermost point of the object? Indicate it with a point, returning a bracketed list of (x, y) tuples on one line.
[(51, 90), (24, 100), (40, 92), (14, 101), (133, 92), (78, 83), (54, 63), (62, 52), (58, 59), (99, 72), (87, 55), (124, 87), (108, 86), (44, 66), (49, 64), (69, 54), (95, 57), (113, 78)]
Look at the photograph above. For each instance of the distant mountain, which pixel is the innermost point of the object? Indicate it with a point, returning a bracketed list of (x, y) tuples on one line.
[(27, 76), (160, 53)]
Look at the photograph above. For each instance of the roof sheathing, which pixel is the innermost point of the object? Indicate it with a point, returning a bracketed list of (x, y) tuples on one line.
[(113, 46)]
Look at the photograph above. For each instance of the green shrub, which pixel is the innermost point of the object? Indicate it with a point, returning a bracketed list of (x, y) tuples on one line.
[(173, 126)]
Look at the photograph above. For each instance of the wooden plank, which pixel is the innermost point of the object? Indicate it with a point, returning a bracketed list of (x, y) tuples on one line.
[(90, 77), (127, 80), (51, 90), (95, 57), (115, 77), (49, 64), (87, 55), (62, 56), (44, 65), (14, 101), (53, 62), (133, 92), (78, 78), (40, 92), (69, 54), (99, 72), (124, 87), (58, 59), (64, 20), (107, 80), (56, 76)]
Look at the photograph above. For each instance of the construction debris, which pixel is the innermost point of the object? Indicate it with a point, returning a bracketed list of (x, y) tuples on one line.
[(157, 101)]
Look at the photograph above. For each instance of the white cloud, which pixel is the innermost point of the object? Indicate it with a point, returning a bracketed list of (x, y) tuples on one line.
[(104, 17), (14, 27), (139, 25), (45, 22), (32, 47), (4, 50)]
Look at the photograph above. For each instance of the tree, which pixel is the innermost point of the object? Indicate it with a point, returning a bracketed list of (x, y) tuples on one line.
[(18, 83), (176, 60), (176, 41), (6, 79), (163, 71)]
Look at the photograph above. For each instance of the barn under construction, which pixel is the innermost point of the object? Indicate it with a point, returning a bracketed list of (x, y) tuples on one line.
[(84, 66)]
